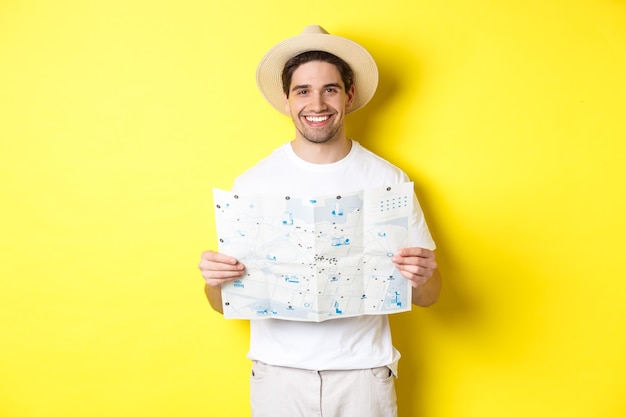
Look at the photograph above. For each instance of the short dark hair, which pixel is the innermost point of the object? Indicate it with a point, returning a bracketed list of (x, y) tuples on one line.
[(292, 64)]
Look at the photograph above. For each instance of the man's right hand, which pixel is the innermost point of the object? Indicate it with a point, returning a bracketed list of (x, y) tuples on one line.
[(217, 268)]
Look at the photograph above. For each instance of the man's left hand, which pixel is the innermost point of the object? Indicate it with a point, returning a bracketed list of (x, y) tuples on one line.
[(415, 264)]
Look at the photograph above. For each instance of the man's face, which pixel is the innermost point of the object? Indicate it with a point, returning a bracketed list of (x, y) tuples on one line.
[(318, 101)]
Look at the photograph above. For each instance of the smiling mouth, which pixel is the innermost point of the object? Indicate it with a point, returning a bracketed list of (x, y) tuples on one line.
[(316, 119)]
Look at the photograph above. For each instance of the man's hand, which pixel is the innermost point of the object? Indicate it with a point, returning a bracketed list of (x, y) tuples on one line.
[(415, 264), (218, 269), (418, 265)]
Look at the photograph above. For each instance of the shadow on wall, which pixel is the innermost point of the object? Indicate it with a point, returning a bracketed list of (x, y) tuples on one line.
[(412, 338), (360, 122), (482, 309), (454, 307)]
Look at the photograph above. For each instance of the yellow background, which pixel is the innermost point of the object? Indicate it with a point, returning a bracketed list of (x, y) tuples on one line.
[(118, 117)]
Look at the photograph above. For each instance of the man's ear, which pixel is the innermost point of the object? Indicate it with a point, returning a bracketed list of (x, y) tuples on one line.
[(287, 107), (350, 99)]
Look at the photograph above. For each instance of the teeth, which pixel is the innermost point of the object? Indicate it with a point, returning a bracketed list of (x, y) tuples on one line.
[(317, 119)]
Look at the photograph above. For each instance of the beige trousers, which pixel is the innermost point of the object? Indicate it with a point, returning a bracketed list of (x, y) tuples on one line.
[(288, 392)]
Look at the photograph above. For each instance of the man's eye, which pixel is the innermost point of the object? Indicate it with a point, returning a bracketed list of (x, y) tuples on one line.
[(302, 92)]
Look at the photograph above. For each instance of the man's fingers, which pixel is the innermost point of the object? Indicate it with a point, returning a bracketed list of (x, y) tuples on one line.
[(219, 266), (420, 257), (215, 261), (413, 270), (216, 278), (212, 256), (415, 252), (224, 275), (414, 261)]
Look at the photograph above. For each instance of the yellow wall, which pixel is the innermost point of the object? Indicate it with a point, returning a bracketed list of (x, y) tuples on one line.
[(117, 118)]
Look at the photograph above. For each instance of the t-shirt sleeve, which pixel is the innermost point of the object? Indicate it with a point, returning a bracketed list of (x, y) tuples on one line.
[(419, 235)]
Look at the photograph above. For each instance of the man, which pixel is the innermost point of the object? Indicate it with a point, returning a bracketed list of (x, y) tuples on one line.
[(342, 367)]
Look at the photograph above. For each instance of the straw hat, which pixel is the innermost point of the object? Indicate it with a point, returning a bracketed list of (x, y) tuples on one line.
[(316, 38)]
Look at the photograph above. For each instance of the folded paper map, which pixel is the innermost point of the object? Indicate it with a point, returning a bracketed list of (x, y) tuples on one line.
[(315, 258)]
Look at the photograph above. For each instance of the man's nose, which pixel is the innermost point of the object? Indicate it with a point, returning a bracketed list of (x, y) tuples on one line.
[(318, 104)]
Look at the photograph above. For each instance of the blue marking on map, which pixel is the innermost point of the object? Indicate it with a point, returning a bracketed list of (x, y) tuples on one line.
[(288, 219), (338, 211), (336, 307), (340, 241), (292, 279)]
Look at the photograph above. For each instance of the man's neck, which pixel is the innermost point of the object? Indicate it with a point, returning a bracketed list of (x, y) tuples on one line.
[(322, 153)]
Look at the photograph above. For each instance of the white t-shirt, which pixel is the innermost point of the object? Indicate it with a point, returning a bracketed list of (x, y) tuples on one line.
[(346, 343)]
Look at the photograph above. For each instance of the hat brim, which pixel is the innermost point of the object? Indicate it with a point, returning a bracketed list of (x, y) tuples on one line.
[(269, 71)]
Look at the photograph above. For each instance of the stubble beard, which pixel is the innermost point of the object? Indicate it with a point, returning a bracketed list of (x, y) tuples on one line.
[(317, 136)]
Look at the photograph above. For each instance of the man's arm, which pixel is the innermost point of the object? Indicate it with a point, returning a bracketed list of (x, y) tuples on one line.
[(428, 293), (418, 265), (218, 269)]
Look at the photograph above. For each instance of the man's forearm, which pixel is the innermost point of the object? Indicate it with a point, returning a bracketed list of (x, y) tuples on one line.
[(427, 294), (214, 295)]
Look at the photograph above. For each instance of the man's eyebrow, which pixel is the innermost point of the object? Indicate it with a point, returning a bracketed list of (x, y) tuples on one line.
[(300, 87), (307, 86)]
